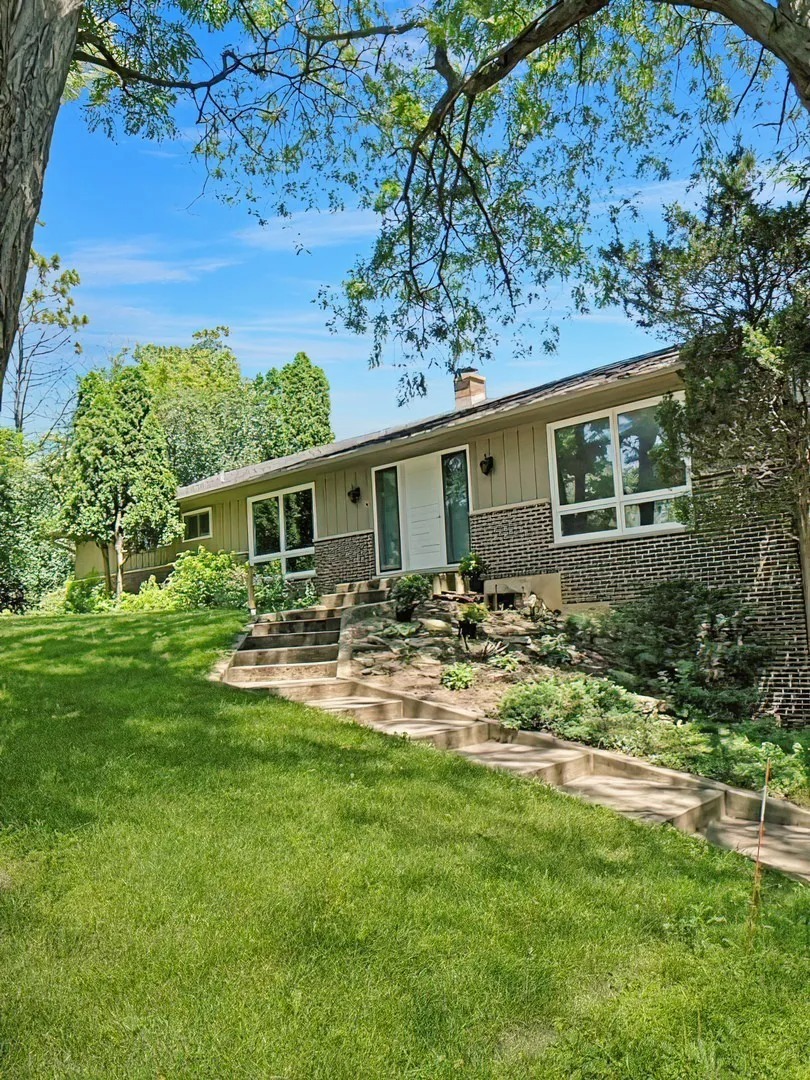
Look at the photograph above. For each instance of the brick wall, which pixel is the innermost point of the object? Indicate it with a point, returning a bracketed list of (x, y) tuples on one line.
[(759, 560), (344, 558)]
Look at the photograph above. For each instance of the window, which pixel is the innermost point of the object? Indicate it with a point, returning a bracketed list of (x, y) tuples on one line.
[(456, 505), (197, 524), (389, 544), (606, 475), (282, 529)]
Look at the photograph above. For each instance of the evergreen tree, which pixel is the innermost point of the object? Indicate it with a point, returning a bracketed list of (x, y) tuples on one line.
[(293, 408), (118, 488), (732, 281)]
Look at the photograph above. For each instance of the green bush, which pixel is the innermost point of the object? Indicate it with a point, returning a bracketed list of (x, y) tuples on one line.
[(207, 579), (79, 596), (408, 591), (555, 649), (473, 566), (150, 597), (691, 643), (573, 708), (473, 613), (274, 593), (595, 711), (458, 676)]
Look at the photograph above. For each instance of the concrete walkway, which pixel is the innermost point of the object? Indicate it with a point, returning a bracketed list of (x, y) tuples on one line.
[(296, 654)]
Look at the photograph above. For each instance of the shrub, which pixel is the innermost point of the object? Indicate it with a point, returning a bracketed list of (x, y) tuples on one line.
[(79, 596), (12, 596), (207, 579), (474, 614), (504, 662), (473, 566), (555, 649), (458, 676), (573, 708), (691, 643), (274, 593), (150, 597), (597, 712), (408, 591)]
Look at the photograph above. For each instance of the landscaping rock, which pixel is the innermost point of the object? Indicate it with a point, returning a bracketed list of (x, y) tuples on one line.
[(436, 626)]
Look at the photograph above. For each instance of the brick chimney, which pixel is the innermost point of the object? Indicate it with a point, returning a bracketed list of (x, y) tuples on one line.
[(470, 387)]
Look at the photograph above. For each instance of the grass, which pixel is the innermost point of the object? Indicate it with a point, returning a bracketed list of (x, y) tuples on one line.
[(200, 883)]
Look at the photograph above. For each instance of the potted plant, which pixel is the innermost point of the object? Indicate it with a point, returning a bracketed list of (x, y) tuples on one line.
[(473, 568), (470, 618), (408, 591)]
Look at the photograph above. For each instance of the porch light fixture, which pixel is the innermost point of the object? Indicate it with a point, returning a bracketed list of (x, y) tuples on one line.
[(487, 464), (354, 494)]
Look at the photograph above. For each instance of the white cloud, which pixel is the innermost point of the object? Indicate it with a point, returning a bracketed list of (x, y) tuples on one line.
[(137, 262), (311, 229)]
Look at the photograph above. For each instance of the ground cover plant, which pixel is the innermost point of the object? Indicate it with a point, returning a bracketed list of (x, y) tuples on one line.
[(596, 711), (201, 882)]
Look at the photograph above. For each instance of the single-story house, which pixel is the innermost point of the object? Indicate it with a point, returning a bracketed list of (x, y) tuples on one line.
[(557, 479)]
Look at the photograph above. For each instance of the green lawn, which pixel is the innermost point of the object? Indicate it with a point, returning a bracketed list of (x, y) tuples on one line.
[(200, 883)]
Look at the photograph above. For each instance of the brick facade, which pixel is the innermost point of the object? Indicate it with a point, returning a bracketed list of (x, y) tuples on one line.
[(759, 560), (344, 558)]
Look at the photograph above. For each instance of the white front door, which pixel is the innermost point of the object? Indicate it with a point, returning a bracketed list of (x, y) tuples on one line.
[(424, 519)]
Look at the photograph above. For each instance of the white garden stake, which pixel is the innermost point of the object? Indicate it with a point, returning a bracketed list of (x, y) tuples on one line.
[(757, 892)]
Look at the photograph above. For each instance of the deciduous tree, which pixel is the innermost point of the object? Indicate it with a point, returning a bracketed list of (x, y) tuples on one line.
[(40, 378), (483, 136)]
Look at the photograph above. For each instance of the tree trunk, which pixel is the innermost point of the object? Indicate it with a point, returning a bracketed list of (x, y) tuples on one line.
[(804, 555), (105, 559), (37, 39)]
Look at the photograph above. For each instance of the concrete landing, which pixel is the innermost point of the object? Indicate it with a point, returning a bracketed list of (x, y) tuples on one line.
[(784, 847), (686, 808), (554, 765)]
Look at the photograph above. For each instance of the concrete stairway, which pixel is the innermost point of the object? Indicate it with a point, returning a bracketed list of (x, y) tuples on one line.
[(727, 817), (295, 654), (299, 644)]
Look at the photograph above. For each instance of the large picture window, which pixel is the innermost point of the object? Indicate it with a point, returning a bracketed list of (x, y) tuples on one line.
[(606, 475), (282, 529)]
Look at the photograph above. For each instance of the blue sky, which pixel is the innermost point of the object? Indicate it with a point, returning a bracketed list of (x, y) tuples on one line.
[(158, 259)]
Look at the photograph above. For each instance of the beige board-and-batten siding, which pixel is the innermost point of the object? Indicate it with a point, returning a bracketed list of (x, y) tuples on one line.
[(521, 474)]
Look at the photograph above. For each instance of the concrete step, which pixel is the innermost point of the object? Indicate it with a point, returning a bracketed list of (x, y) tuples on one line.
[(443, 734), (374, 585), (298, 615), (296, 626), (553, 765), (290, 641), (267, 674), (298, 654), (354, 599), (687, 808), (784, 847), (365, 710)]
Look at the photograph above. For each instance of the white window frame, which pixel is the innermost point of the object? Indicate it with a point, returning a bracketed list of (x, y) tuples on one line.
[(403, 538), (619, 500), (195, 513), (284, 554)]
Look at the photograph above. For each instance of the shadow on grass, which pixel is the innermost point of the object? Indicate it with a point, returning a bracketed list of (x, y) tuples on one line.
[(97, 710)]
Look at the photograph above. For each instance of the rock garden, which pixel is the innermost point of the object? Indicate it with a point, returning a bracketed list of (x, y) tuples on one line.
[(671, 677)]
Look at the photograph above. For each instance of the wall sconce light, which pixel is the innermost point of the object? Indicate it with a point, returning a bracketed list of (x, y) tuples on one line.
[(354, 494), (487, 464)]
